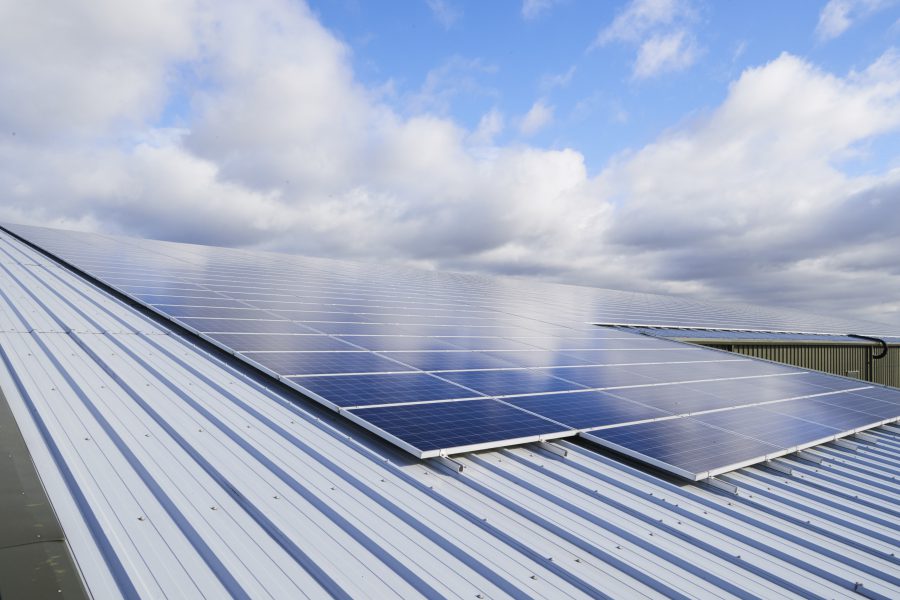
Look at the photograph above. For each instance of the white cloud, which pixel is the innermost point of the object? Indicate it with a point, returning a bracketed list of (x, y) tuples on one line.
[(839, 15), (661, 53), (456, 76), (447, 14), (557, 80), (282, 148), (749, 202), (661, 31), (532, 9), (640, 17), (834, 19), (538, 116), (489, 126), (57, 70)]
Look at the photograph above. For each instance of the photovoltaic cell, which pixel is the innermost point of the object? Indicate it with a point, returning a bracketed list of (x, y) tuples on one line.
[(599, 377), (685, 446), (210, 312), (831, 415), (242, 326), (769, 427), (189, 301), (396, 343), (509, 382), (452, 360), (249, 342), (366, 337), (369, 390), (586, 410), (458, 426), (325, 317), (881, 393), (485, 343), (780, 427), (877, 408), (759, 389), (536, 358), (324, 363), (673, 399)]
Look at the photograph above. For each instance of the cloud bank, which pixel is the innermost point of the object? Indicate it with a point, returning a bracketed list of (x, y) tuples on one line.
[(243, 124)]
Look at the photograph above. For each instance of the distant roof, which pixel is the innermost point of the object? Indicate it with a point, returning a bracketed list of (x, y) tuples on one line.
[(175, 473)]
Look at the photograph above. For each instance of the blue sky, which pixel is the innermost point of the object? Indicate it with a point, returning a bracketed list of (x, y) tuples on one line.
[(490, 56), (733, 151)]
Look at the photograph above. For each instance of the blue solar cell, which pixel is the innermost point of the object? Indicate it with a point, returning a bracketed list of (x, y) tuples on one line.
[(510, 382), (816, 411), (249, 342), (324, 363), (599, 377), (484, 343), (164, 290), (759, 389), (144, 282), (881, 393), (251, 296), (637, 355), (370, 390), (185, 300), (831, 383), (878, 408), (452, 330), (356, 328), (453, 360), (243, 326), (288, 303), (536, 358), (215, 313), (778, 430), (683, 445), (313, 317), (396, 342), (706, 370), (675, 399), (459, 425), (584, 410)]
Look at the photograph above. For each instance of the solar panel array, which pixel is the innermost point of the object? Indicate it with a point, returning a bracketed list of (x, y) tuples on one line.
[(446, 363)]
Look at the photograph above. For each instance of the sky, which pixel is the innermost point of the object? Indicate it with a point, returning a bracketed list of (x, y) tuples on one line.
[(726, 151)]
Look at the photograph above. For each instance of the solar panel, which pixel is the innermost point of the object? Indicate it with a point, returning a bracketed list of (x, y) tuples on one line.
[(684, 446), (324, 363), (453, 360), (430, 429), (261, 342), (241, 325), (714, 442), (440, 363), (350, 391), (586, 410), (510, 382)]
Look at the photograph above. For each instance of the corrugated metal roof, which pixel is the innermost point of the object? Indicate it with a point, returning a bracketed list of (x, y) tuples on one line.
[(176, 474)]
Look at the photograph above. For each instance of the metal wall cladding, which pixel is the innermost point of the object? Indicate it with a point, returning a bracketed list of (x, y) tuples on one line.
[(839, 359)]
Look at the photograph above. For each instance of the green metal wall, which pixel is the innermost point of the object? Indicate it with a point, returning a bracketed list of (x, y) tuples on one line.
[(839, 359)]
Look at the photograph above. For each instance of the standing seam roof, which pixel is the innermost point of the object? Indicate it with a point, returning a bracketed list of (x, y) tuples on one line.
[(177, 474)]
